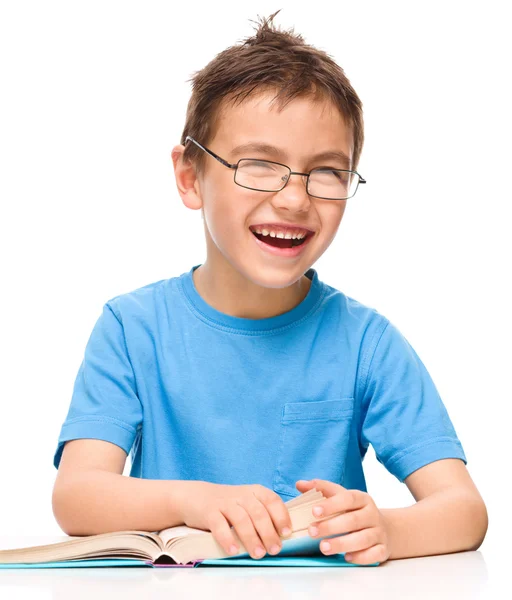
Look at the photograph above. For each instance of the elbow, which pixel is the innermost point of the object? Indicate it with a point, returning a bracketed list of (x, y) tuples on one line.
[(59, 512), (63, 510), (480, 523)]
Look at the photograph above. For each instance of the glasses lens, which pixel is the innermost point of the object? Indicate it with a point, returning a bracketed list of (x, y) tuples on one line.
[(332, 183), (261, 175)]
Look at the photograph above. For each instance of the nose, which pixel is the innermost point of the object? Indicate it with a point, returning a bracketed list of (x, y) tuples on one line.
[(294, 195)]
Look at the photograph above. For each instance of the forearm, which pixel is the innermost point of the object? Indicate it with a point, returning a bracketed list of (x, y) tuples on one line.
[(99, 501), (447, 521)]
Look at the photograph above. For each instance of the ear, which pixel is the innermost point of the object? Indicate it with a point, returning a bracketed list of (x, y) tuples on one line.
[(186, 179)]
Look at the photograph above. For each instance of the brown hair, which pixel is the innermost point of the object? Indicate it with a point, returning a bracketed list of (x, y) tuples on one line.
[(271, 59)]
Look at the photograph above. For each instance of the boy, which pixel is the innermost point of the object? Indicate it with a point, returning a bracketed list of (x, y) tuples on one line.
[(236, 382)]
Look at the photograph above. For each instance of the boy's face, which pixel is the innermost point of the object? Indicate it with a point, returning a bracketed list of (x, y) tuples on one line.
[(301, 130)]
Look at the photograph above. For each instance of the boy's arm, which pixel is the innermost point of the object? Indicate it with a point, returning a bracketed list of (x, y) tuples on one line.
[(449, 514), (91, 496)]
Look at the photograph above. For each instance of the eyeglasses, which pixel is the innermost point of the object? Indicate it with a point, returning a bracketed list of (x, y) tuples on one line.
[(269, 176)]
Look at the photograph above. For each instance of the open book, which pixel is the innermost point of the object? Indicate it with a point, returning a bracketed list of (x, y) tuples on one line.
[(179, 546)]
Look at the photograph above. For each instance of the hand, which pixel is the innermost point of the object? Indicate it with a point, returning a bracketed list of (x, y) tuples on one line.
[(258, 516), (369, 541)]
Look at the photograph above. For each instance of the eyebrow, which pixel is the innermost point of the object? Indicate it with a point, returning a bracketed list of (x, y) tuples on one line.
[(269, 149)]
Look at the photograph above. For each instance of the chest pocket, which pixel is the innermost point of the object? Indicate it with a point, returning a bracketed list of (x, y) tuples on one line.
[(313, 442)]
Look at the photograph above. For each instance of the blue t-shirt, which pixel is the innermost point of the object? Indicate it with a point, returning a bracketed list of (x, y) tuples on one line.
[(192, 393)]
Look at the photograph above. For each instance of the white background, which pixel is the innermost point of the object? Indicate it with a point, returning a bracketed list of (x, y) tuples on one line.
[(93, 98)]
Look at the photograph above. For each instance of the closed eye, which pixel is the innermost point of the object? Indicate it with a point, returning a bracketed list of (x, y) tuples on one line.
[(329, 168)]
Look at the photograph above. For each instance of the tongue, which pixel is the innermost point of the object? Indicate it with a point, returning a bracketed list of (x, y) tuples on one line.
[(275, 241)]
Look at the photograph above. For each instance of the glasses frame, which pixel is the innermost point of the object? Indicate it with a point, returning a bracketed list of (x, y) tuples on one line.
[(235, 166)]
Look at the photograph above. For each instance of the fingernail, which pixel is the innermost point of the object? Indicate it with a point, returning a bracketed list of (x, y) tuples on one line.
[(259, 551), (286, 531), (274, 549), (326, 546), (313, 530), (318, 510), (233, 549)]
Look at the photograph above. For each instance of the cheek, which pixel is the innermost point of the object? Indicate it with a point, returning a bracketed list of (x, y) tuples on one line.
[(231, 207), (226, 217), (331, 219)]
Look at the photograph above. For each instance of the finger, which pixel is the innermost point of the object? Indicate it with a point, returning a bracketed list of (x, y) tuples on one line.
[(338, 499), (346, 522), (351, 542), (376, 554), (302, 484), (262, 523), (328, 488), (222, 532), (276, 509), (242, 522)]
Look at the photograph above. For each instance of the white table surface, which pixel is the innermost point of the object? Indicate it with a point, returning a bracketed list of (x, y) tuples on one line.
[(465, 575)]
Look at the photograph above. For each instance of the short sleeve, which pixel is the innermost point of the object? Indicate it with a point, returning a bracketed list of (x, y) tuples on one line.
[(104, 404), (402, 414)]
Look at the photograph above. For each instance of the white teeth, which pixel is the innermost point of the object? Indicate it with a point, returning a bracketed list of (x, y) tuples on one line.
[(279, 234)]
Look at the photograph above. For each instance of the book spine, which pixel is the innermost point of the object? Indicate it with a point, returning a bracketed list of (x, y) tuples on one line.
[(186, 566)]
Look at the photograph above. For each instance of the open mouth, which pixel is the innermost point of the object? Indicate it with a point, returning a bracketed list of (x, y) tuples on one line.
[(281, 242)]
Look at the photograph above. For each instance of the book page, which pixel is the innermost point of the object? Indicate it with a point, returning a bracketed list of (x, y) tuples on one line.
[(179, 530), (299, 504), (18, 542)]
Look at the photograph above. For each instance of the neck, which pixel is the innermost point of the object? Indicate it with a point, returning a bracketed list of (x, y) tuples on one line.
[(226, 290)]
